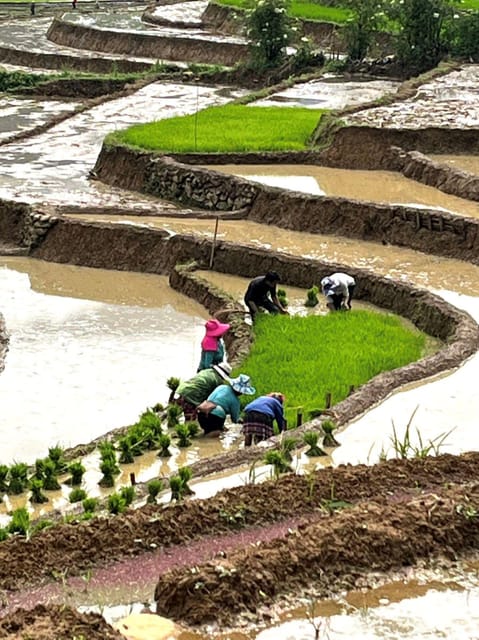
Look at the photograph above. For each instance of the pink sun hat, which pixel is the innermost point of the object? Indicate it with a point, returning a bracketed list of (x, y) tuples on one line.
[(215, 328)]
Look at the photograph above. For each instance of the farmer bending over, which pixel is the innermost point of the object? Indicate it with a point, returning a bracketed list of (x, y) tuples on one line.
[(223, 401), (192, 392), (338, 289), (259, 416), (261, 293)]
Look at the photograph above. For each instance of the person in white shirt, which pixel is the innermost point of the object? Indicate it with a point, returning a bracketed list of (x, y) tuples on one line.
[(338, 289)]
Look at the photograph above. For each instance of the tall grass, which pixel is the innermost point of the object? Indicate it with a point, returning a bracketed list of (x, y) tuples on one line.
[(301, 9), (227, 128), (307, 357)]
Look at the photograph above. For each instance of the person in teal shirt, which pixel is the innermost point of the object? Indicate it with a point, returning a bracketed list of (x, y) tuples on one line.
[(223, 401)]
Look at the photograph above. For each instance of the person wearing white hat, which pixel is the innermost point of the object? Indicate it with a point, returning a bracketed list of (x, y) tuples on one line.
[(223, 401), (192, 392), (338, 289)]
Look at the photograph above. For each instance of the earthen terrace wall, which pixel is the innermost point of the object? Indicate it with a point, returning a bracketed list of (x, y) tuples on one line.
[(430, 231), (146, 45)]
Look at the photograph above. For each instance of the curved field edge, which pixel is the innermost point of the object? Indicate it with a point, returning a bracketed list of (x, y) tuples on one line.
[(154, 251)]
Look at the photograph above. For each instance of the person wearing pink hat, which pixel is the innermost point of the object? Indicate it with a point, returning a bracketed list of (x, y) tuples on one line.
[(212, 345)]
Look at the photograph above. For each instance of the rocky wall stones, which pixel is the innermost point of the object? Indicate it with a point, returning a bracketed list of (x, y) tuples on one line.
[(12, 221), (147, 45), (196, 186)]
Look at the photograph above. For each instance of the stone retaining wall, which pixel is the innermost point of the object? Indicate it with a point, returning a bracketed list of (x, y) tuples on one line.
[(146, 45), (430, 231), (63, 61), (417, 166)]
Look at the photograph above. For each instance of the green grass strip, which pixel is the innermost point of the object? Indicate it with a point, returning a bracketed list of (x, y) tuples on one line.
[(307, 357), (228, 128), (303, 10)]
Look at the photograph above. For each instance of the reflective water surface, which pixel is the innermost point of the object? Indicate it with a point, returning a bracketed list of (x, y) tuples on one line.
[(386, 187), (89, 351)]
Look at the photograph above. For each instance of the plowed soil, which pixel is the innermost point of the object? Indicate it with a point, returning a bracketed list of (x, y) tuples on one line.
[(347, 522)]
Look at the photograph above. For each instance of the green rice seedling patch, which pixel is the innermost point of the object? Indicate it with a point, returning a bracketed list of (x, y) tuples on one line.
[(230, 128), (308, 357), (302, 10)]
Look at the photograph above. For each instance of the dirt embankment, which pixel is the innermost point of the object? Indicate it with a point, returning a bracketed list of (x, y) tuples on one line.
[(351, 520), (429, 231), (147, 45)]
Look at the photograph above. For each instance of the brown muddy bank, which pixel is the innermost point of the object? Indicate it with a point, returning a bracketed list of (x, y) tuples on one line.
[(398, 512), (429, 231), (63, 61), (147, 45)]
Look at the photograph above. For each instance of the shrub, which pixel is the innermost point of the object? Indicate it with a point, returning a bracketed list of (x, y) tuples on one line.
[(362, 28), (463, 35), (268, 29)]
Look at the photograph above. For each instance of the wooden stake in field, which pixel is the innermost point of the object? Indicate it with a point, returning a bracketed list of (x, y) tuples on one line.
[(213, 246)]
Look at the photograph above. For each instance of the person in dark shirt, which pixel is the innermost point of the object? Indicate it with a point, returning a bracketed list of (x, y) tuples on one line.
[(261, 293)]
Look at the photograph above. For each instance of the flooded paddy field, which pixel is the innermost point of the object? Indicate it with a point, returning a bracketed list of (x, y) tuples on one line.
[(89, 351), (23, 114), (73, 330), (386, 187), (330, 92), (54, 167), (469, 164), (448, 101)]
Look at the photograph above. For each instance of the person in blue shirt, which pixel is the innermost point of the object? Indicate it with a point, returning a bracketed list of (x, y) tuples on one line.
[(259, 416), (223, 401)]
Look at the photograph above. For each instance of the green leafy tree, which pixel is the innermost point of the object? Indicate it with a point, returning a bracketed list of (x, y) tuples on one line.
[(269, 31), (462, 34), (367, 19), (421, 40)]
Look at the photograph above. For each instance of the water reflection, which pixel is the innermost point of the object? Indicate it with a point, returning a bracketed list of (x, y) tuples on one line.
[(77, 368), (387, 187)]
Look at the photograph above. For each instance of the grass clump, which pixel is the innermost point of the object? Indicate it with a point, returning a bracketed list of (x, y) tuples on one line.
[(311, 438), (154, 487), (230, 128), (77, 495), (300, 355)]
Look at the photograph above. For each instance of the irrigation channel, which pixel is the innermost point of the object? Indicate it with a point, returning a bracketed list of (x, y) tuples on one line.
[(73, 329)]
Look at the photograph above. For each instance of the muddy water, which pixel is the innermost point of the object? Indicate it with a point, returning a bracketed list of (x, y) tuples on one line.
[(22, 114), (376, 186), (425, 271), (469, 164), (80, 366)]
